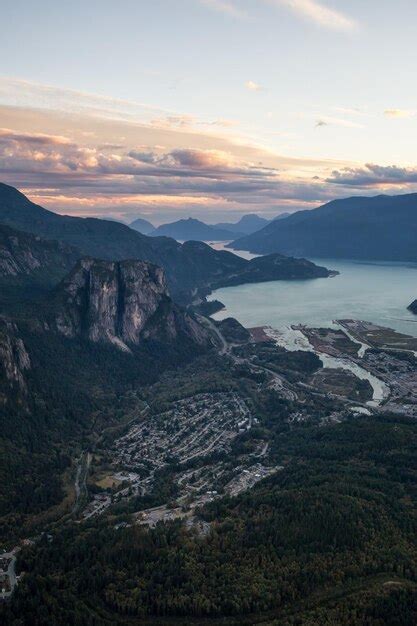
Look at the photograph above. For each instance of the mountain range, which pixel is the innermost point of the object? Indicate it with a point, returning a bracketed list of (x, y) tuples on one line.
[(191, 268), (191, 228), (367, 228), (159, 467)]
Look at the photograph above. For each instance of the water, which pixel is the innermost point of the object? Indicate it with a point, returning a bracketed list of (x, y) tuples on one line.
[(375, 292), (293, 339), (221, 245)]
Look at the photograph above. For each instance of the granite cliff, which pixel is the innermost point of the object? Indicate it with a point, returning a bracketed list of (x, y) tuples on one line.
[(121, 302), (14, 361), (23, 254)]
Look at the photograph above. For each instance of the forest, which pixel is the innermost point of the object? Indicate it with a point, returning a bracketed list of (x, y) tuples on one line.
[(331, 537)]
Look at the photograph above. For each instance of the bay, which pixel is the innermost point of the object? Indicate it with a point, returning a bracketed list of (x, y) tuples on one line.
[(375, 292)]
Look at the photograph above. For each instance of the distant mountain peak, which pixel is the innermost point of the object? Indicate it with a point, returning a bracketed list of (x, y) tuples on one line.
[(191, 228), (247, 224), (142, 225)]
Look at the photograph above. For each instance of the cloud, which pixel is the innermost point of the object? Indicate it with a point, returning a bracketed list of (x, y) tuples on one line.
[(29, 96), (197, 163), (319, 14), (62, 160), (208, 159), (227, 8), (372, 175), (121, 154), (60, 173), (38, 139), (398, 113), (252, 86)]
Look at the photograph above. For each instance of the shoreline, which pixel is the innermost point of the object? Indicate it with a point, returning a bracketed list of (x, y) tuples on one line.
[(293, 339)]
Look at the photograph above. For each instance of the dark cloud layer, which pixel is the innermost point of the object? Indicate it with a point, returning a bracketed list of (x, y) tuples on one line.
[(372, 175), (55, 163), (65, 174)]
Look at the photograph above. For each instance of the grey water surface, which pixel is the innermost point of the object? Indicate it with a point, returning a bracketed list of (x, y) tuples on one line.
[(375, 292)]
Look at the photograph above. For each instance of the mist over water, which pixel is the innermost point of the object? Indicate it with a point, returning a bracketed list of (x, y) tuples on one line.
[(375, 292)]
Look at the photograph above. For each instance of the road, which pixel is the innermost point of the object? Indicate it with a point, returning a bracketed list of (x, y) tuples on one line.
[(226, 348)]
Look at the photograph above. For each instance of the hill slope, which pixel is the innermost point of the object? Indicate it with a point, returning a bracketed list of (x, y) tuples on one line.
[(379, 228), (30, 266), (25, 255)]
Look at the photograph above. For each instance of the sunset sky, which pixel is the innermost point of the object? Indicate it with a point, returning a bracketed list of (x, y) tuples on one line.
[(208, 108)]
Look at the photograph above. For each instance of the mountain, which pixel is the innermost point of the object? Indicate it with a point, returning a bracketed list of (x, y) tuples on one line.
[(30, 266), (76, 365), (247, 224), (24, 255), (192, 229), (190, 269), (121, 303), (376, 228), (92, 236), (132, 453), (142, 226)]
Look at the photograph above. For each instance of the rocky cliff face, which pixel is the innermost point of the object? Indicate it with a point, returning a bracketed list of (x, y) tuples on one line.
[(14, 360), (121, 303), (22, 254)]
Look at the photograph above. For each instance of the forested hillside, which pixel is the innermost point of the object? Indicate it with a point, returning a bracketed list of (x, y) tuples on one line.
[(330, 539), (378, 228)]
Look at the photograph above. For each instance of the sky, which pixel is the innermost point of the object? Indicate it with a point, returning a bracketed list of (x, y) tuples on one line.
[(206, 108)]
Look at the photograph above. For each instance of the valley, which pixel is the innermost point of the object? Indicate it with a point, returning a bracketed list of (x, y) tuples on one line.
[(155, 424), (191, 441), (208, 313), (221, 433)]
